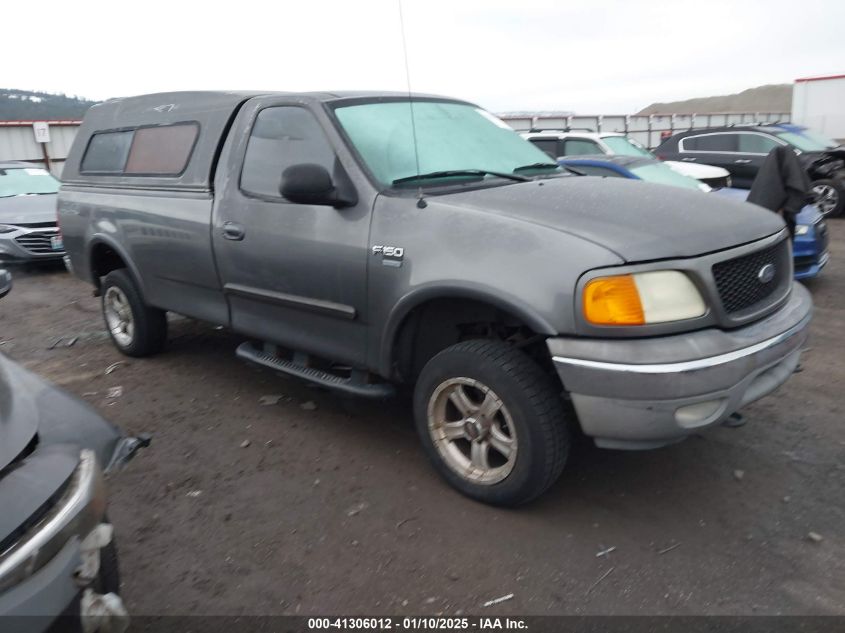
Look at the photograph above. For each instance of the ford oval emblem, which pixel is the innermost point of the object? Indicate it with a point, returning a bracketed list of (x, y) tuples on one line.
[(766, 273)]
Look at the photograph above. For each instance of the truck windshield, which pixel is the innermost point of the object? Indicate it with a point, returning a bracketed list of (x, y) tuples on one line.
[(456, 140), (665, 175), (26, 181), (626, 146)]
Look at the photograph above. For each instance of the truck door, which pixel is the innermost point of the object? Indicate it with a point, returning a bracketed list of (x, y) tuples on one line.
[(294, 274)]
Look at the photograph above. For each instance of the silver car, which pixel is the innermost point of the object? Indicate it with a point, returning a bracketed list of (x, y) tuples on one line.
[(28, 228)]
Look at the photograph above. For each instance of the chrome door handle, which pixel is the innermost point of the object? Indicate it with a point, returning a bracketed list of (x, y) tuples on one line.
[(688, 160), (742, 161), (233, 231)]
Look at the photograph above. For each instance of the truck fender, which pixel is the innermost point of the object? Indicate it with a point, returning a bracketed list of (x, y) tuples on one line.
[(113, 244), (428, 292)]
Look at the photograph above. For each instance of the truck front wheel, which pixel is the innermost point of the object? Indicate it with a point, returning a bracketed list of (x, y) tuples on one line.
[(491, 421), (136, 329)]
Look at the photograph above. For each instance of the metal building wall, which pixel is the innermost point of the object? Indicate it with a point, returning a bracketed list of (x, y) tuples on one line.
[(17, 142), (817, 103)]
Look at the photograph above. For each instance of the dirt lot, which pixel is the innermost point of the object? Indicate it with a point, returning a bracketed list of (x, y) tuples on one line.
[(334, 509)]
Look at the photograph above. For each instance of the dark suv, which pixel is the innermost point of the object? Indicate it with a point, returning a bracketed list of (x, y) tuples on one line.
[(741, 150)]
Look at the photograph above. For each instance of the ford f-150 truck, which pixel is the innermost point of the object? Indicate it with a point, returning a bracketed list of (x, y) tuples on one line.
[(367, 240)]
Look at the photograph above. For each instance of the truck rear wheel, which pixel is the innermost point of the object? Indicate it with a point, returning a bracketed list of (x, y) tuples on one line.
[(491, 421), (136, 329)]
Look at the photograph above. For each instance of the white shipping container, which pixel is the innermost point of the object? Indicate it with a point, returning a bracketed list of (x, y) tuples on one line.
[(819, 103)]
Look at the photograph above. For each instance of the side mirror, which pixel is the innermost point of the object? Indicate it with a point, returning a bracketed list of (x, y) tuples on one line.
[(5, 282), (309, 183)]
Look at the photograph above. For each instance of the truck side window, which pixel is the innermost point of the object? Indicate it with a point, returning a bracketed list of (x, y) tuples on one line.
[(107, 152), (282, 136), (161, 150)]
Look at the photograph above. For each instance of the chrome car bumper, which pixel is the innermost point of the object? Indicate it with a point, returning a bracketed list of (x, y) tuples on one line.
[(644, 393)]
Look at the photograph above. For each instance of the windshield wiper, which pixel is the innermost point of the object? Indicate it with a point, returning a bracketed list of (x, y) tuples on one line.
[(537, 166), (571, 170), (460, 172)]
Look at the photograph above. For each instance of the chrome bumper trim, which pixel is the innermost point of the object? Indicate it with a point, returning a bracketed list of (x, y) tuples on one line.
[(76, 514), (691, 365)]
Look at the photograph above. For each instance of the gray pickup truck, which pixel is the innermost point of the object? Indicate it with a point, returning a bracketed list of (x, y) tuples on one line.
[(367, 240)]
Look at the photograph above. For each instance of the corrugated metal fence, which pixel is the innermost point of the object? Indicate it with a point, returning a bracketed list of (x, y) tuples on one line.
[(17, 142), (645, 128)]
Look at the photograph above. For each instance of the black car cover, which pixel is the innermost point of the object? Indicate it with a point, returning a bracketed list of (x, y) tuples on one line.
[(782, 185)]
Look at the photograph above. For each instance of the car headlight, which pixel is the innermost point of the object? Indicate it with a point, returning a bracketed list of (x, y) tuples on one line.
[(5, 228), (802, 229), (642, 298)]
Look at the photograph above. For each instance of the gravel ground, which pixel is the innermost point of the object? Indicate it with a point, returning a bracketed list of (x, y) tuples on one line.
[(322, 504)]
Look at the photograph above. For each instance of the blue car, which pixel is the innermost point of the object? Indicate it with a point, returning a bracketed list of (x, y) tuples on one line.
[(809, 247)]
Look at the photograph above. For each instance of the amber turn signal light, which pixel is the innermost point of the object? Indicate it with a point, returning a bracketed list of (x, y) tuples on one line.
[(613, 301)]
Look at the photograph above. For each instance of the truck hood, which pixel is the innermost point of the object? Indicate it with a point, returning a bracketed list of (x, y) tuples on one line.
[(28, 209), (638, 221)]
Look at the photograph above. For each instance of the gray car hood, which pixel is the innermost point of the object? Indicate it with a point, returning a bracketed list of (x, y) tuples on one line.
[(638, 221), (18, 417), (30, 405), (33, 209)]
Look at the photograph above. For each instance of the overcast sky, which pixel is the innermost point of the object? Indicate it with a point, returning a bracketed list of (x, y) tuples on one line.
[(590, 56)]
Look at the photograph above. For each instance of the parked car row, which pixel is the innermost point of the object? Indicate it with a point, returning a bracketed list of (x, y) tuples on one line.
[(741, 150), (568, 143), (728, 156)]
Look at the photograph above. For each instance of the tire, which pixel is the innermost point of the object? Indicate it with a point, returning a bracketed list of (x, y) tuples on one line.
[(135, 328), (830, 196), (528, 419)]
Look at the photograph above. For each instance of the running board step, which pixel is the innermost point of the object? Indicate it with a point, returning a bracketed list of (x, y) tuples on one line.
[(359, 387)]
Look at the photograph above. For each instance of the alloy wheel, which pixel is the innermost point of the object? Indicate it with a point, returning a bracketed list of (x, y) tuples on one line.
[(827, 198), (119, 318), (472, 430)]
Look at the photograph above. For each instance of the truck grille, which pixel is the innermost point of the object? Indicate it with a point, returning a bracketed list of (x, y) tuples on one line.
[(738, 280), (37, 243)]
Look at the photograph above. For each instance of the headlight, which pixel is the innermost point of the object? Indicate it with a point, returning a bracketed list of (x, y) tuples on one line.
[(642, 298), (5, 228), (802, 229)]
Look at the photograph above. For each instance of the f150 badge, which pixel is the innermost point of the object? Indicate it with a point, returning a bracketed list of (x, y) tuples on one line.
[(390, 255)]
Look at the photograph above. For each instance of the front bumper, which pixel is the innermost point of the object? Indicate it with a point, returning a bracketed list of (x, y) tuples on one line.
[(645, 393), (41, 574), (80, 508), (29, 245), (811, 266)]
